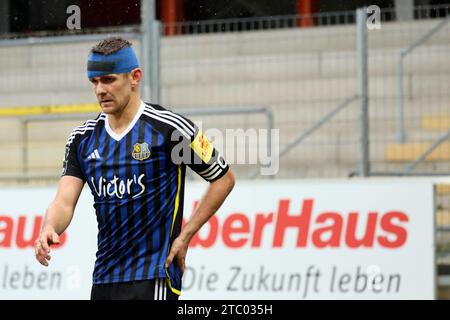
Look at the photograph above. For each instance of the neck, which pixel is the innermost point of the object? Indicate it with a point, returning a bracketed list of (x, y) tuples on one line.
[(120, 121)]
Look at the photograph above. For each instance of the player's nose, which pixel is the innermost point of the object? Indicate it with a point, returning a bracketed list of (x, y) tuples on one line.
[(100, 89)]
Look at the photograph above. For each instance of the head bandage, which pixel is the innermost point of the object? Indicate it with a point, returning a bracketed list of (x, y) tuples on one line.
[(122, 61)]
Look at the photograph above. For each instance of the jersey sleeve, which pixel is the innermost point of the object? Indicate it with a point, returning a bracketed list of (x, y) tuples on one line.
[(191, 147), (71, 165)]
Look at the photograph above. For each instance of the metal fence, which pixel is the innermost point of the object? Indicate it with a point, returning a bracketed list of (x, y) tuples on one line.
[(284, 69), (410, 101), (302, 74)]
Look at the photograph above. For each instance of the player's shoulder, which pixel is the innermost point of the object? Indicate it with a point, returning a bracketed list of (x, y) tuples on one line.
[(154, 106), (86, 128), (167, 120), (157, 109)]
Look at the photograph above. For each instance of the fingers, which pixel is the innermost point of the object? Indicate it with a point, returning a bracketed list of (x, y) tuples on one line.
[(180, 259), (42, 261), (170, 258), (41, 254), (42, 246), (48, 239)]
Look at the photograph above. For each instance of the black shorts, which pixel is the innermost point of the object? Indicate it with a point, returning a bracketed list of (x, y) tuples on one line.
[(153, 289)]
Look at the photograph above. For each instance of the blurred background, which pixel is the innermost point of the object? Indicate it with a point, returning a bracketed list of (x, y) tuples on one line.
[(349, 100)]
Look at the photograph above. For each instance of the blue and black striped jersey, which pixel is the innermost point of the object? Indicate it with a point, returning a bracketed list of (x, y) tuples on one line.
[(137, 180)]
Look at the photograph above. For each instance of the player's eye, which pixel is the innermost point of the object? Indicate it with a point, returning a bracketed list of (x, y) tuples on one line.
[(108, 80)]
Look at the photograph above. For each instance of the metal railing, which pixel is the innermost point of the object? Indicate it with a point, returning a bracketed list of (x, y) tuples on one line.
[(431, 11), (401, 133), (296, 142), (293, 21), (410, 167), (362, 95), (260, 23)]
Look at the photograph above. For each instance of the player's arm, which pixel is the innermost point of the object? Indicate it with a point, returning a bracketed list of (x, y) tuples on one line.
[(208, 163), (58, 216), (215, 195)]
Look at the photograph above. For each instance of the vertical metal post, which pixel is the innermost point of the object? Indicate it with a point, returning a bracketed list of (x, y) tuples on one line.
[(155, 63), (147, 19), (151, 35), (361, 40), (401, 135)]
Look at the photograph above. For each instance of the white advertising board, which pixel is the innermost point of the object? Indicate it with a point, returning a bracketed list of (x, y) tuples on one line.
[(325, 239)]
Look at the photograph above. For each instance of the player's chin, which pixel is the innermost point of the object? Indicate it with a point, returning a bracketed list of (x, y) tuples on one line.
[(108, 106)]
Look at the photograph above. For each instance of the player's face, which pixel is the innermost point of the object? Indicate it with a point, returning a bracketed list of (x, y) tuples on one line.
[(113, 92)]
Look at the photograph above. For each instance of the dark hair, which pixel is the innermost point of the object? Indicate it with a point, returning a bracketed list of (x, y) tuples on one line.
[(110, 45)]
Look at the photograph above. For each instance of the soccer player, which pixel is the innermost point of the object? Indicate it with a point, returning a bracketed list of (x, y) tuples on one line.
[(133, 156)]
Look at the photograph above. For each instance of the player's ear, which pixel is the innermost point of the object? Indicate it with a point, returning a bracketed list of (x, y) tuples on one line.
[(136, 76)]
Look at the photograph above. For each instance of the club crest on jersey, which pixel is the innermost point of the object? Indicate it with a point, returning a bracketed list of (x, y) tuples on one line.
[(141, 151)]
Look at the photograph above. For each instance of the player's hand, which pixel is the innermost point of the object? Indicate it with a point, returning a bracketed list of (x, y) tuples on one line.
[(42, 245), (178, 253)]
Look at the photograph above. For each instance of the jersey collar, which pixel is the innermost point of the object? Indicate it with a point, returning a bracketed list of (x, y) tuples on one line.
[(119, 137)]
